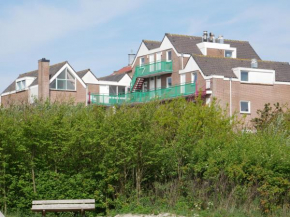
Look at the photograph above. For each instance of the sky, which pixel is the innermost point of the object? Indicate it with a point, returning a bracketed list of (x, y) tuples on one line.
[(99, 34)]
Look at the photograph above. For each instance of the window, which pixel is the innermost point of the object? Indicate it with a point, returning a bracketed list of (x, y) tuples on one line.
[(244, 76), (145, 86), (112, 90), (121, 89), (228, 53), (64, 81), (245, 107), (142, 61), (20, 85), (169, 55), (168, 82), (193, 77)]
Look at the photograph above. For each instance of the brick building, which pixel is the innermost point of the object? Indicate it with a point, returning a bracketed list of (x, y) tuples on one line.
[(58, 82), (229, 70)]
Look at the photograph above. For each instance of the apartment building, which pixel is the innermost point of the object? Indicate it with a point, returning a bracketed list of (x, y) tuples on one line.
[(229, 70)]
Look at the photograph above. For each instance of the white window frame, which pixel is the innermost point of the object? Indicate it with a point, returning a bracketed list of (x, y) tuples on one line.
[(249, 107), (56, 79), (140, 61), (22, 85), (229, 51), (241, 76), (167, 84), (193, 77), (167, 52)]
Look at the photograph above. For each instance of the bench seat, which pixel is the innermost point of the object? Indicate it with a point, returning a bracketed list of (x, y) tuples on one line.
[(63, 206)]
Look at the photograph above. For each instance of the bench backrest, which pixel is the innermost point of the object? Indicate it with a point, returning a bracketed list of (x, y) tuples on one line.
[(58, 205)]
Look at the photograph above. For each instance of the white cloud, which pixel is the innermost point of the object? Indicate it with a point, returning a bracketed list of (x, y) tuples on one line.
[(265, 27), (34, 23)]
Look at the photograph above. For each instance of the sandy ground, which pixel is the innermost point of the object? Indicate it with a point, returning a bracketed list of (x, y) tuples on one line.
[(160, 215)]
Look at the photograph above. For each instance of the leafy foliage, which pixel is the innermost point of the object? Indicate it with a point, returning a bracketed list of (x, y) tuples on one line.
[(176, 154)]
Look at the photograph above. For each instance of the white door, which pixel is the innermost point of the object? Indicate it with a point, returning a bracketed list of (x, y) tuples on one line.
[(104, 94), (158, 61), (152, 83), (152, 87), (158, 82), (151, 62), (182, 83)]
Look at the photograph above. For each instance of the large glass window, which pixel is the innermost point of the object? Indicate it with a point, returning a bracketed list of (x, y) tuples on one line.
[(121, 89), (112, 90), (64, 81)]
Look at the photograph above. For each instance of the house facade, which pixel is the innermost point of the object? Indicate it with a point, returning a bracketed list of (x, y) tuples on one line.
[(58, 82), (228, 70)]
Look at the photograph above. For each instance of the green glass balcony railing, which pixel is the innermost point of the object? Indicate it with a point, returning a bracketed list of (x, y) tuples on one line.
[(142, 97), (151, 69)]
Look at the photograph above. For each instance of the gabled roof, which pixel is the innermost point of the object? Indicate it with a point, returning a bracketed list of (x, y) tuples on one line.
[(115, 78), (151, 44), (82, 73), (53, 69), (223, 66), (188, 45)]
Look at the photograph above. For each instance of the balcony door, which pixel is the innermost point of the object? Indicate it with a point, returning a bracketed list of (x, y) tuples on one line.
[(151, 62), (158, 82), (158, 61), (182, 83)]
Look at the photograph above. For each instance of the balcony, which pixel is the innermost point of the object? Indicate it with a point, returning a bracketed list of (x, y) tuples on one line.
[(152, 69), (143, 97)]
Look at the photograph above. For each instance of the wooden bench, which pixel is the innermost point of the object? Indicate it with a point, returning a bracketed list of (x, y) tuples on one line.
[(63, 206)]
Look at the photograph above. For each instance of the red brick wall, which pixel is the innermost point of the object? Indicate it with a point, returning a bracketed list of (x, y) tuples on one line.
[(43, 80), (78, 96), (93, 88), (15, 98), (215, 52), (257, 94)]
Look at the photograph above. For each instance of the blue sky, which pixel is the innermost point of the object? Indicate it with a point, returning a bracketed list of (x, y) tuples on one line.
[(99, 34)]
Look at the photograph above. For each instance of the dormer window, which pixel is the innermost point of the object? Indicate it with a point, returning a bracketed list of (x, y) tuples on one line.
[(228, 53), (244, 76), (64, 81), (20, 85)]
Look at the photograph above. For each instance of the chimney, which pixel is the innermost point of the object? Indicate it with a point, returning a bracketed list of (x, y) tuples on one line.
[(254, 63), (131, 58), (221, 39), (43, 79), (205, 36), (211, 37)]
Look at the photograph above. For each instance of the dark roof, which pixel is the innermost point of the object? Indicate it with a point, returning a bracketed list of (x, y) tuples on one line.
[(115, 78), (82, 73), (152, 44), (53, 69), (223, 66), (187, 44)]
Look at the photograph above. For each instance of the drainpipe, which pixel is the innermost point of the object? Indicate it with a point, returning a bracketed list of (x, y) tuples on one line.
[(182, 61), (230, 97)]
